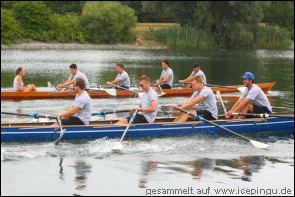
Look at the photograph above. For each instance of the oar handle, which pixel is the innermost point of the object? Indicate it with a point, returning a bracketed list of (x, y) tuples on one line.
[(32, 115)]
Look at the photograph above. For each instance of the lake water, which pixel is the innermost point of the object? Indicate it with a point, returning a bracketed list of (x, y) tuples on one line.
[(192, 165)]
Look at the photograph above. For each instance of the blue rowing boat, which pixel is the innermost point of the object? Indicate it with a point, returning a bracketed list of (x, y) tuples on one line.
[(162, 127)]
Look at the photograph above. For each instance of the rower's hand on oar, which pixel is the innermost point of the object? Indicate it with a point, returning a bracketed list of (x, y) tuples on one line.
[(176, 112), (228, 114), (110, 85), (180, 81), (58, 87)]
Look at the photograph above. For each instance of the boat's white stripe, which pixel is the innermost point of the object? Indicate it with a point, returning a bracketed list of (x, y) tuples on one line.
[(147, 129)]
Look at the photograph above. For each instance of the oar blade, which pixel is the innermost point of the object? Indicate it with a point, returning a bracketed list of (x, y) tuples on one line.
[(241, 89), (56, 142), (112, 92), (259, 144), (140, 94), (117, 147)]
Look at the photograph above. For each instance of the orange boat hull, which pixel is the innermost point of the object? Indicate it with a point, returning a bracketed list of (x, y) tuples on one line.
[(9, 95)]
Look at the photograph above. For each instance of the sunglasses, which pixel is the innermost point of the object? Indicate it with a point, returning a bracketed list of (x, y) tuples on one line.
[(140, 85)]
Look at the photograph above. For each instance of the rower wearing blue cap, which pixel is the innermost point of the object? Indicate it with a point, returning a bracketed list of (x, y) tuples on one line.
[(252, 100)]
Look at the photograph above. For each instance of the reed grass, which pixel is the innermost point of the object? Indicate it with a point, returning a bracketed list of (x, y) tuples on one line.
[(272, 37), (185, 37)]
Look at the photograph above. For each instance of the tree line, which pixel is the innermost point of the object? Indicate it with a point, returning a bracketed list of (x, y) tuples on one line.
[(203, 24)]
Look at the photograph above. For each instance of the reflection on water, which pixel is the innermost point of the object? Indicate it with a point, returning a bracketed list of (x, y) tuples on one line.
[(81, 169), (147, 166), (61, 173), (242, 168)]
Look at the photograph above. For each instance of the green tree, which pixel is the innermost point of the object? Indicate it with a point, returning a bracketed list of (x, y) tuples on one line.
[(34, 19), (108, 22), (63, 7), (235, 22), (10, 30), (66, 28)]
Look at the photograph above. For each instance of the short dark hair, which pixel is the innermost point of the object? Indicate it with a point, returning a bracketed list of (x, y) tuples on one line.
[(81, 83), (74, 66), (121, 66), (195, 65), (165, 61)]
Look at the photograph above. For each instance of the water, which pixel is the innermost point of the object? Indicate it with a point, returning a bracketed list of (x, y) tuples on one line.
[(189, 164)]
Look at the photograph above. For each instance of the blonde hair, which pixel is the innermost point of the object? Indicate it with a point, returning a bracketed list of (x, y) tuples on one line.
[(144, 77), (198, 79)]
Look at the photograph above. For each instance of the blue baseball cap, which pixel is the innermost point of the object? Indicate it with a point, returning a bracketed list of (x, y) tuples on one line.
[(248, 75)]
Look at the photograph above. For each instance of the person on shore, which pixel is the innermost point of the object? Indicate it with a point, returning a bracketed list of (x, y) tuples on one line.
[(75, 73), (148, 106), (18, 84), (204, 97), (167, 76), (196, 72), (252, 100), (122, 78), (80, 112)]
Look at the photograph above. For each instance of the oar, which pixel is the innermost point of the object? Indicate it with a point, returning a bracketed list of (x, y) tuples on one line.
[(138, 93), (103, 113), (111, 91), (62, 131), (220, 98), (264, 115), (241, 89), (255, 143), (162, 93), (36, 115), (118, 146)]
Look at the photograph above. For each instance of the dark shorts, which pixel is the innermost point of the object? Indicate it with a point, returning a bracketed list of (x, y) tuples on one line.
[(205, 114), (122, 88), (73, 120), (165, 86), (139, 118), (260, 110)]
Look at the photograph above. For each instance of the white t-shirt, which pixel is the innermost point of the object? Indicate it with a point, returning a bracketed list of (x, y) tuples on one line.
[(208, 103), (125, 80), (80, 75), (201, 74), (257, 97), (146, 100), (84, 102), (164, 73)]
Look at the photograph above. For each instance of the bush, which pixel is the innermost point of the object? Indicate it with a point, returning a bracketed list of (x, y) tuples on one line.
[(234, 35), (108, 22), (10, 30), (66, 28), (34, 19)]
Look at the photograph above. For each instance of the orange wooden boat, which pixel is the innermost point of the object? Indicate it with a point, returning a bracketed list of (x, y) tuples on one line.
[(13, 95)]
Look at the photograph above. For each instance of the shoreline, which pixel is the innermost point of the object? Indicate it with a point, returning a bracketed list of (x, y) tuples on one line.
[(41, 45)]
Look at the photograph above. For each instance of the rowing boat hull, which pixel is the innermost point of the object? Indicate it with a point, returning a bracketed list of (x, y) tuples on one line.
[(10, 95), (249, 126)]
